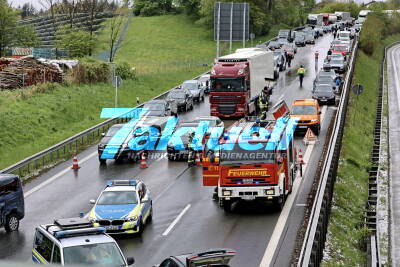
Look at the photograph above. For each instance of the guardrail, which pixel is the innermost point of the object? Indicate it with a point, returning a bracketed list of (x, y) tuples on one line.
[(62, 151), (314, 240)]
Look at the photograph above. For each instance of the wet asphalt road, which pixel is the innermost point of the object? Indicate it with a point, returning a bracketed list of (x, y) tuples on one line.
[(174, 187)]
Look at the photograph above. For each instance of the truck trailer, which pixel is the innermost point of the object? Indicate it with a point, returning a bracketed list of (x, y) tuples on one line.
[(315, 19), (237, 80)]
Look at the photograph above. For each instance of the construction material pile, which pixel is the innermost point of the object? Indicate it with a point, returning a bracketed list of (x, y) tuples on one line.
[(28, 71)]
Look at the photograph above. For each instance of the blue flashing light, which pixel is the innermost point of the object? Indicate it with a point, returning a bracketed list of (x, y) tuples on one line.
[(109, 183), (132, 182)]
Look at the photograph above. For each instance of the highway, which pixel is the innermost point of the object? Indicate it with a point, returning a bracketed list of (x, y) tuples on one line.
[(177, 192), (393, 74)]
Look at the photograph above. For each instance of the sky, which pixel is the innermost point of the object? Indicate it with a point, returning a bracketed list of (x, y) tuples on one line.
[(16, 3)]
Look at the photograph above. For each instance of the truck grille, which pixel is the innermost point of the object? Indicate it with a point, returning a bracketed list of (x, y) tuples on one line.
[(227, 109), (226, 99), (255, 181)]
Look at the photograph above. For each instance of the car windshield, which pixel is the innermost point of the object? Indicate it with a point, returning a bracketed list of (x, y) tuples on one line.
[(158, 107), (105, 254), (344, 35), (190, 86), (304, 110), (113, 130), (336, 61), (177, 94), (241, 155), (324, 79), (227, 85), (323, 89), (117, 198), (339, 48)]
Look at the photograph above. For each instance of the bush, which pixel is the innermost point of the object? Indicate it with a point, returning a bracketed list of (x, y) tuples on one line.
[(371, 34), (148, 8), (125, 71), (90, 72)]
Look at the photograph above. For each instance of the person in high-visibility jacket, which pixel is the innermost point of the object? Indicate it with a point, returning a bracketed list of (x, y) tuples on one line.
[(263, 99), (301, 72)]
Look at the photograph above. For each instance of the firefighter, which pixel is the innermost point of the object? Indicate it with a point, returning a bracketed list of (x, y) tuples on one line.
[(263, 99), (191, 146), (301, 72)]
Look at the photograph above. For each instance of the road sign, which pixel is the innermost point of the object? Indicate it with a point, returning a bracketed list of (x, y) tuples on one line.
[(231, 21), (357, 89), (117, 81)]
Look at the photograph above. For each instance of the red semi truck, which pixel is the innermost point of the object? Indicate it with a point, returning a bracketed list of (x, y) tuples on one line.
[(265, 172), (237, 80)]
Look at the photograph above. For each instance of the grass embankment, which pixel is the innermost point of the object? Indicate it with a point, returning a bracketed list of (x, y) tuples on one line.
[(346, 234)]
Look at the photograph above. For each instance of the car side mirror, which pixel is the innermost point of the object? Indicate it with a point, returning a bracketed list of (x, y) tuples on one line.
[(103, 134), (130, 260), (92, 201)]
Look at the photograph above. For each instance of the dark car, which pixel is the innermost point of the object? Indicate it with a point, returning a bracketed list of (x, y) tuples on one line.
[(310, 37), (115, 145), (12, 206), (182, 97), (324, 93), (213, 257), (180, 150), (300, 39), (279, 56), (159, 108), (195, 88), (320, 80), (273, 45)]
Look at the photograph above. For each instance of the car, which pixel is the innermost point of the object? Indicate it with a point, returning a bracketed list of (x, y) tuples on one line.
[(115, 145), (123, 207), (358, 27), (300, 39), (326, 80), (336, 64), (212, 121), (285, 34), (340, 48), (336, 42), (182, 97), (180, 150), (282, 41), (290, 49), (334, 55), (344, 36), (212, 257), (324, 94), (319, 31), (309, 37), (195, 88), (327, 28), (328, 72), (12, 205), (73, 241), (273, 45), (205, 81), (159, 108), (280, 58), (309, 114)]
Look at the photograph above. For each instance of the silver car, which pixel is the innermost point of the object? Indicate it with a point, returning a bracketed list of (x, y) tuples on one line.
[(195, 88)]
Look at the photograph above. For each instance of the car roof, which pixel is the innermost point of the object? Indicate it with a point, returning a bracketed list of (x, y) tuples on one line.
[(307, 102), (82, 240), (120, 188), (208, 118), (156, 101)]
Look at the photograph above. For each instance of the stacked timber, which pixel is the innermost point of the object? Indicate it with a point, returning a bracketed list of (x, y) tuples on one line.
[(28, 71)]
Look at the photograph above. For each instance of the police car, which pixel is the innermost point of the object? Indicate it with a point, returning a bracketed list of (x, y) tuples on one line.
[(74, 241), (124, 206)]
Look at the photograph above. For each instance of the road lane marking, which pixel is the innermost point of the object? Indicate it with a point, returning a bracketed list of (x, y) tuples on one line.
[(396, 78), (171, 226), (56, 176), (283, 217), (301, 205)]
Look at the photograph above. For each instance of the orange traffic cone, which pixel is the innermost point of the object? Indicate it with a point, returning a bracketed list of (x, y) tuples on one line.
[(300, 157), (143, 163), (197, 161), (75, 164)]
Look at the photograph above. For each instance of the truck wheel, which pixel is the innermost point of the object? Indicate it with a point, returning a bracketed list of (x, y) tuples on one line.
[(12, 223), (280, 201), (227, 205)]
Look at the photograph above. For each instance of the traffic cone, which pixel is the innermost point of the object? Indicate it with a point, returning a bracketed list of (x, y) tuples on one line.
[(197, 161), (300, 162), (143, 163), (75, 164)]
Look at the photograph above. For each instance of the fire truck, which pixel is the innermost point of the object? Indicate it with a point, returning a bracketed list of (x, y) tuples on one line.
[(256, 162), (237, 80)]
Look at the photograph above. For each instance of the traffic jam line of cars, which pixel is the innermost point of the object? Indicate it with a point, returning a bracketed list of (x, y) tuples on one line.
[(267, 175)]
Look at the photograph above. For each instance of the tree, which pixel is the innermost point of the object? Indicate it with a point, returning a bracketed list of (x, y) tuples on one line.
[(115, 24), (190, 7), (8, 18), (28, 10), (69, 7), (152, 7), (25, 36), (77, 42), (50, 5)]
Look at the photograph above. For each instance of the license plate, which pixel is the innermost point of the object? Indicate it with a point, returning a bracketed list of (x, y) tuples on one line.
[(323, 100), (112, 227), (247, 181), (249, 197), (302, 126)]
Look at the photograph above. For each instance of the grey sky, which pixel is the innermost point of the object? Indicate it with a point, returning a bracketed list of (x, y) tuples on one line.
[(16, 3)]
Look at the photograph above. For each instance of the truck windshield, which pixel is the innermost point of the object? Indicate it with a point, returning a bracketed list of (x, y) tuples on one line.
[(304, 110), (105, 254), (242, 156), (227, 85)]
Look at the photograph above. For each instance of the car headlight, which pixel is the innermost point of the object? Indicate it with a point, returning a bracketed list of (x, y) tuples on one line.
[(226, 193), (314, 120), (133, 218), (269, 192)]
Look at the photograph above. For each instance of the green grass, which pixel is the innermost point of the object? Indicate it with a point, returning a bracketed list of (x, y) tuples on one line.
[(346, 232)]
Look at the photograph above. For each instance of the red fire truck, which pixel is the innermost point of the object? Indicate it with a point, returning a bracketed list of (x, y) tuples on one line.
[(237, 80), (256, 163)]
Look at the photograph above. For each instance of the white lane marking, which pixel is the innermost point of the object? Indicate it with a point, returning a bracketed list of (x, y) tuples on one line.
[(166, 232), (396, 78), (56, 176), (283, 217), (301, 205)]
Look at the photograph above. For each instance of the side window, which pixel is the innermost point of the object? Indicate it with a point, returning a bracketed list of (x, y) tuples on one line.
[(168, 263), (56, 255), (9, 187), (43, 245)]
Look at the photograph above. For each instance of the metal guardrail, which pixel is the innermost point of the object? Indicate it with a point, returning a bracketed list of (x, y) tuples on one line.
[(314, 240), (59, 152)]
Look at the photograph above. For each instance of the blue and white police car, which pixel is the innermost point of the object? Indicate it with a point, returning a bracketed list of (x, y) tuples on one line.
[(124, 207)]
